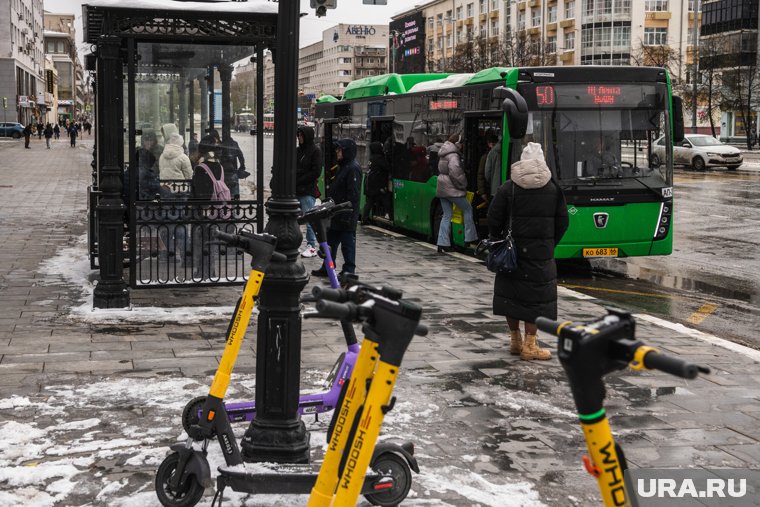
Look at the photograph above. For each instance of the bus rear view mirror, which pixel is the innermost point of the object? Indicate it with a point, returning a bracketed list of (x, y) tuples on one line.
[(678, 129), (517, 111)]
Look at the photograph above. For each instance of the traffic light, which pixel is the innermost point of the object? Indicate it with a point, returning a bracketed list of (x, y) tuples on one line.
[(321, 6)]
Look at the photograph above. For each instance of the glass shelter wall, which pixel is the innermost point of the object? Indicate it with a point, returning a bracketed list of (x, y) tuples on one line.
[(181, 154)]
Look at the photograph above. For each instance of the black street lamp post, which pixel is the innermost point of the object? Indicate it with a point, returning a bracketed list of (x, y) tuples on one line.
[(277, 434), (111, 290)]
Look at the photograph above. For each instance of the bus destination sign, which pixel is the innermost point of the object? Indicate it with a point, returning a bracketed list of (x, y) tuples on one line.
[(436, 105), (589, 95)]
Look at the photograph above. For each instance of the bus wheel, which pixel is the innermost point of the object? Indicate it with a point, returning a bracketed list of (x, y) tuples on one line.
[(436, 215)]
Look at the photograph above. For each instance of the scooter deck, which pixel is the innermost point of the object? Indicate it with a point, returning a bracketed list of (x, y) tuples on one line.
[(293, 479)]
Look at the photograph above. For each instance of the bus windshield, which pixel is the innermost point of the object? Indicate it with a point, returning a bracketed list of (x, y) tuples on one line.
[(601, 134)]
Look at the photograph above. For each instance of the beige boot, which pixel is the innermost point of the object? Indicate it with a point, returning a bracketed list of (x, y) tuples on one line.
[(515, 343), (531, 350)]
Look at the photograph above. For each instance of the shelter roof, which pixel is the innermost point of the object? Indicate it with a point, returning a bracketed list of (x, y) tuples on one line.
[(249, 6)]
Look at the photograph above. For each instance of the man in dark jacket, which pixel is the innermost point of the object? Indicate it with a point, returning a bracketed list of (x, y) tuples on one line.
[(27, 135), (345, 188), (376, 182), (309, 167), (233, 161)]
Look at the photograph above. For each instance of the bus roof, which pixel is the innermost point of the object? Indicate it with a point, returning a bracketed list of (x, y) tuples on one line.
[(387, 84)]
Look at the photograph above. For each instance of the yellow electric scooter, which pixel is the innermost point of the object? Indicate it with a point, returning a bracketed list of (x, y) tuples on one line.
[(588, 352)]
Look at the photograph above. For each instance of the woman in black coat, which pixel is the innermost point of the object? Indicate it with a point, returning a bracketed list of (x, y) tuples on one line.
[(539, 220)]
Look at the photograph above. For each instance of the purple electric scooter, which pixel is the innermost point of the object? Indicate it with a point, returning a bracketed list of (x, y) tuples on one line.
[(316, 403)]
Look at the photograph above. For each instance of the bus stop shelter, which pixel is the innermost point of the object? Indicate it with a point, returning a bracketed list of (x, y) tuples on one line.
[(165, 68)]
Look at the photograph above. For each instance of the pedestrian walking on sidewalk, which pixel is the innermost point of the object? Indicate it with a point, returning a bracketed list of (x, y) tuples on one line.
[(346, 187), (27, 135), (56, 131), (40, 129), (309, 167), (73, 135), (539, 220), (48, 134)]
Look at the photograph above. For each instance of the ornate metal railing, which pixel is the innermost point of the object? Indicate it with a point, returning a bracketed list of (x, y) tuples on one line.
[(171, 241)]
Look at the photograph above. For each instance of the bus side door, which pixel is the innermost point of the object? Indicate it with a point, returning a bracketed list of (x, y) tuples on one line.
[(478, 125)]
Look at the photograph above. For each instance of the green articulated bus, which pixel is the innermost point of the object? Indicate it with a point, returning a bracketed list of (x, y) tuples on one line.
[(597, 127)]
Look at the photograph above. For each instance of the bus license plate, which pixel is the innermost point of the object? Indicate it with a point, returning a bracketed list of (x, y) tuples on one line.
[(600, 252)]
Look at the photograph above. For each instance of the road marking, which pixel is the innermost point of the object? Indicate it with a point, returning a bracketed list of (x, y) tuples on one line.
[(700, 315), (618, 291), (717, 216)]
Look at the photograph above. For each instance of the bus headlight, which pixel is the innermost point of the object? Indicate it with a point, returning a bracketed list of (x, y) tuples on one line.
[(663, 222)]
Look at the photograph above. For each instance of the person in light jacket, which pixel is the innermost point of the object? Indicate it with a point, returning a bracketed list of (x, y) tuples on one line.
[(539, 220), (452, 189), (173, 163)]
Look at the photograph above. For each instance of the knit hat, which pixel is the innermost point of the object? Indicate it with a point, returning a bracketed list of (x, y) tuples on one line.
[(176, 140), (532, 151)]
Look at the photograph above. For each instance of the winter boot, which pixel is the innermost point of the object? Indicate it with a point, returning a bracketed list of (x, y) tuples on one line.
[(515, 343), (531, 350)]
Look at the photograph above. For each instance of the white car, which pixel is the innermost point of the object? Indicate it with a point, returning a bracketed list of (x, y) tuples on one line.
[(700, 152)]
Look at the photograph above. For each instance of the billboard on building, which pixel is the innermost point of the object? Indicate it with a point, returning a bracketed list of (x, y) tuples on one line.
[(407, 48)]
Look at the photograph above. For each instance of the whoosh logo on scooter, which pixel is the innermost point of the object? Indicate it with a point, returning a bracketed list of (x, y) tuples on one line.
[(611, 469), (354, 456), (340, 424), (236, 323)]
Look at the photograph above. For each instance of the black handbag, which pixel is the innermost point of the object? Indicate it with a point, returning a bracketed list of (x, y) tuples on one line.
[(503, 255)]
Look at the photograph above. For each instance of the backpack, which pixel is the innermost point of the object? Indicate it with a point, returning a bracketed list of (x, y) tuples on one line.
[(221, 192)]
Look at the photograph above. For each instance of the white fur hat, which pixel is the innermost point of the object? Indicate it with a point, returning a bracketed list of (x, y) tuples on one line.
[(532, 151)]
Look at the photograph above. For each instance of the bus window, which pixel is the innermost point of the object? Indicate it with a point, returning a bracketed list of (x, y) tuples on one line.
[(478, 130)]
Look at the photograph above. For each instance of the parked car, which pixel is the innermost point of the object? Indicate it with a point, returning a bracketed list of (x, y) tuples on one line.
[(11, 129), (699, 152)]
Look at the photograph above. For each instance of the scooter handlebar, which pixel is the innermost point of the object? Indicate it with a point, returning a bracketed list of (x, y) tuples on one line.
[(548, 325), (331, 309), (324, 210), (657, 361), (329, 294)]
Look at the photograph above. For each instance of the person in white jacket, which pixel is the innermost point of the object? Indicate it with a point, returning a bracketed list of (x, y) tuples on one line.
[(174, 164)]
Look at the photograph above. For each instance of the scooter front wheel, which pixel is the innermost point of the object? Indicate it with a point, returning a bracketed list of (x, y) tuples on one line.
[(189, 492), (391, 464)]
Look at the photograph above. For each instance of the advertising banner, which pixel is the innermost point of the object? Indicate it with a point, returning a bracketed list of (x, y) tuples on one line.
[(407, 45)]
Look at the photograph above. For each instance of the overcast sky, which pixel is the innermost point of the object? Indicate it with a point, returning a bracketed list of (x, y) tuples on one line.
[(348, 11)]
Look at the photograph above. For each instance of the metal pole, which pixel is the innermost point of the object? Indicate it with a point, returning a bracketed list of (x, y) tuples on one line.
[(111, 290), (191, 107), (278, 434), (203, 82), (695, 66), (225, 74), (260, 137), (211, 99)]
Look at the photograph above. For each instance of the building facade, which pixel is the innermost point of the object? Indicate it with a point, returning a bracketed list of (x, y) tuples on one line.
[(730, 69), (22, 59), (345, 53), (60, 48), (60, 43), (468, 35)]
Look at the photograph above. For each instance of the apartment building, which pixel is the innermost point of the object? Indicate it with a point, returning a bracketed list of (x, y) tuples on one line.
[(63, 24), (729, 53), (22, 59), (345, 53), (559, 32)]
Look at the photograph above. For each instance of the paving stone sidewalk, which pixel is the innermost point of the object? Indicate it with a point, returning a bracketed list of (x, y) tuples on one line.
[(463, 399)]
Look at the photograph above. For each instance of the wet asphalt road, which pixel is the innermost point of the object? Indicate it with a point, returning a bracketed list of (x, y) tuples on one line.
[(711, 281)]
